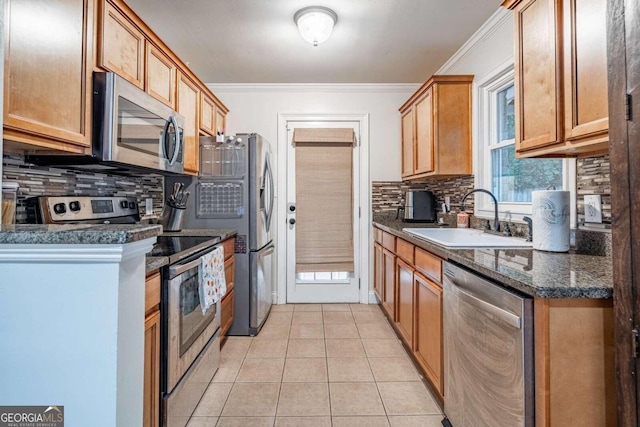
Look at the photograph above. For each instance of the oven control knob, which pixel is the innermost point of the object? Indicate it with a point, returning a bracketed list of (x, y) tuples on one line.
[(59, 208), (74, 206), (124, 204), (132, 205)]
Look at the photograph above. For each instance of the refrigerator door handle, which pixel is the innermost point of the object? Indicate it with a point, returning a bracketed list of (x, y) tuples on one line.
[(271, 192), (263, 203)]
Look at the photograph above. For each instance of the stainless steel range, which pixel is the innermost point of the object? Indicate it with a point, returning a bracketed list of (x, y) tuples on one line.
[(189, 338)]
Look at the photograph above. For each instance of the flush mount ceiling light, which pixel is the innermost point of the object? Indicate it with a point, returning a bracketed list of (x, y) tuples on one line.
[(315, 23)]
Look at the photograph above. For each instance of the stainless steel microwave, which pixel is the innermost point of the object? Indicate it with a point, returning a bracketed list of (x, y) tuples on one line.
[(132, 131)]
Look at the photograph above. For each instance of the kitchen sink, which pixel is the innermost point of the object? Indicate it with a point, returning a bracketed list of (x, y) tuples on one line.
[(467, 238)]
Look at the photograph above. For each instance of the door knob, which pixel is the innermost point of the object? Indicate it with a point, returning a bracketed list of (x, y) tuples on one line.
[(292, 208), (292, 221)]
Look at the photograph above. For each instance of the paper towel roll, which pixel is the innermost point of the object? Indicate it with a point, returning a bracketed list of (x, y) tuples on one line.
[(551, 220)]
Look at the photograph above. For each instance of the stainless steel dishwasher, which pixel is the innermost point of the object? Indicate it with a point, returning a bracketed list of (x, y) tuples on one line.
[(488, 351)]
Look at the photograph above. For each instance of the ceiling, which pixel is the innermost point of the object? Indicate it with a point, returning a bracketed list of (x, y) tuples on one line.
[(256, 41)]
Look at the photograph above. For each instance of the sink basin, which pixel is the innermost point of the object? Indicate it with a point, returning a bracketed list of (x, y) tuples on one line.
[(467, 238)]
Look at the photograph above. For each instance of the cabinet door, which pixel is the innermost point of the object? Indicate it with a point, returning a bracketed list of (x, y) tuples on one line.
[(121, 47), (151, 399), (585, 70), (160, 76), (408, 143), (428, 329), (424, 161), (230, 273), (538, 94), (389, 283), (187, 102), (378, 270), (48, 66), (207, 115), (220, 123), (404, 295), (226, 312)]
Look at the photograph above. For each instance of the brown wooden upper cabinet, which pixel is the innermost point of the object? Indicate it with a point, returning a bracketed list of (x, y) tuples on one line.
[(408, 143), (160, 76), (90, 35), (121, 45), (188, 104), (436, 129), (207, 115), (221, 120), (47, 85), (560, 77)]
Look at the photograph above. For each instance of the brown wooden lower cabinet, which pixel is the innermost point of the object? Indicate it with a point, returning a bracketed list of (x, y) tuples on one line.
[(428, 344), (573, 340), (227, 303), (574, 362), (389, 283), (226, 316), (151, 399), (404, 296), (378, 270)]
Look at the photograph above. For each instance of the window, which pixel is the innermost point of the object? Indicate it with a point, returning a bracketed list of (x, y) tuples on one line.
[(510, 179)]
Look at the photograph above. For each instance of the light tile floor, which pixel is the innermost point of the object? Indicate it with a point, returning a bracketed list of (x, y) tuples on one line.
[(318, 365)]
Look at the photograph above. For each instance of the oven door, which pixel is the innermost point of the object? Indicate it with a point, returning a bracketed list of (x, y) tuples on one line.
[(188, 329)]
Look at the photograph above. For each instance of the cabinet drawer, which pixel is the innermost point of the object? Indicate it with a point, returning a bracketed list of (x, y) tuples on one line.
[(226, 312), (428, 264), (151, 291), (377, 235), (229, 246), (404, 250), (230, 273), (389, 241)]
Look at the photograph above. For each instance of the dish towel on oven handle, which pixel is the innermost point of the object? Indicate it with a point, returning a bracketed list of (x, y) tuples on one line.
[(213, 285)]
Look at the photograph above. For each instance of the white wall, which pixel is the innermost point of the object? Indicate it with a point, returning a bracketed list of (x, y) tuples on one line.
[(489, 47), (254, 108)]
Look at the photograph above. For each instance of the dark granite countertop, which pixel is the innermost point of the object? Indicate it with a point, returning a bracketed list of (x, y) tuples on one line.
[(223, 233), (535, 273), (156, 262), (77, 234)]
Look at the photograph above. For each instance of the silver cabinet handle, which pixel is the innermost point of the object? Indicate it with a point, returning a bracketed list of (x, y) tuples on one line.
[(504, 315)]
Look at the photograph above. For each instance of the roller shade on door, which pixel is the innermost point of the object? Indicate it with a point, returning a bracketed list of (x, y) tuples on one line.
[(324, 199)]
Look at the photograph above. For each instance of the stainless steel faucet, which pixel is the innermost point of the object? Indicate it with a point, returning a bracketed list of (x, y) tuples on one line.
[(496, 221)]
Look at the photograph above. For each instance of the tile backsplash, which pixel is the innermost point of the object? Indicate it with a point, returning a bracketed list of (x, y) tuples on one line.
[(45, 180), (592, 177), (387, 195)]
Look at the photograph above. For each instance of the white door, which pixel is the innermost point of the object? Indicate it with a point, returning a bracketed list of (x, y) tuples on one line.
[(320, 287)]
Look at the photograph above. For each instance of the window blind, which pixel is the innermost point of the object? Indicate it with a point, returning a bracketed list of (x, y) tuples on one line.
[(324, 199)]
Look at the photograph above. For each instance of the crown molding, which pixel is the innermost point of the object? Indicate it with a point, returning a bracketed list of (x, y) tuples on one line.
[(494, 22), (313, 87)]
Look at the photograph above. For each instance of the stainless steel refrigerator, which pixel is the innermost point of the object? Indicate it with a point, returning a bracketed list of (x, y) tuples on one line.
[(236, 190)]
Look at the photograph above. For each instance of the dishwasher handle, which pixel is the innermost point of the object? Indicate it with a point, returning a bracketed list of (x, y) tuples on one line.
[(504, 315)]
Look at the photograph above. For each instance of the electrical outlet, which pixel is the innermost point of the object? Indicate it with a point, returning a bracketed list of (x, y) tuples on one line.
[(593, 208), (148, 206)]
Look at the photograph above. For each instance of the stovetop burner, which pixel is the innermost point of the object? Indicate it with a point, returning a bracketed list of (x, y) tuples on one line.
[(179, 247)]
